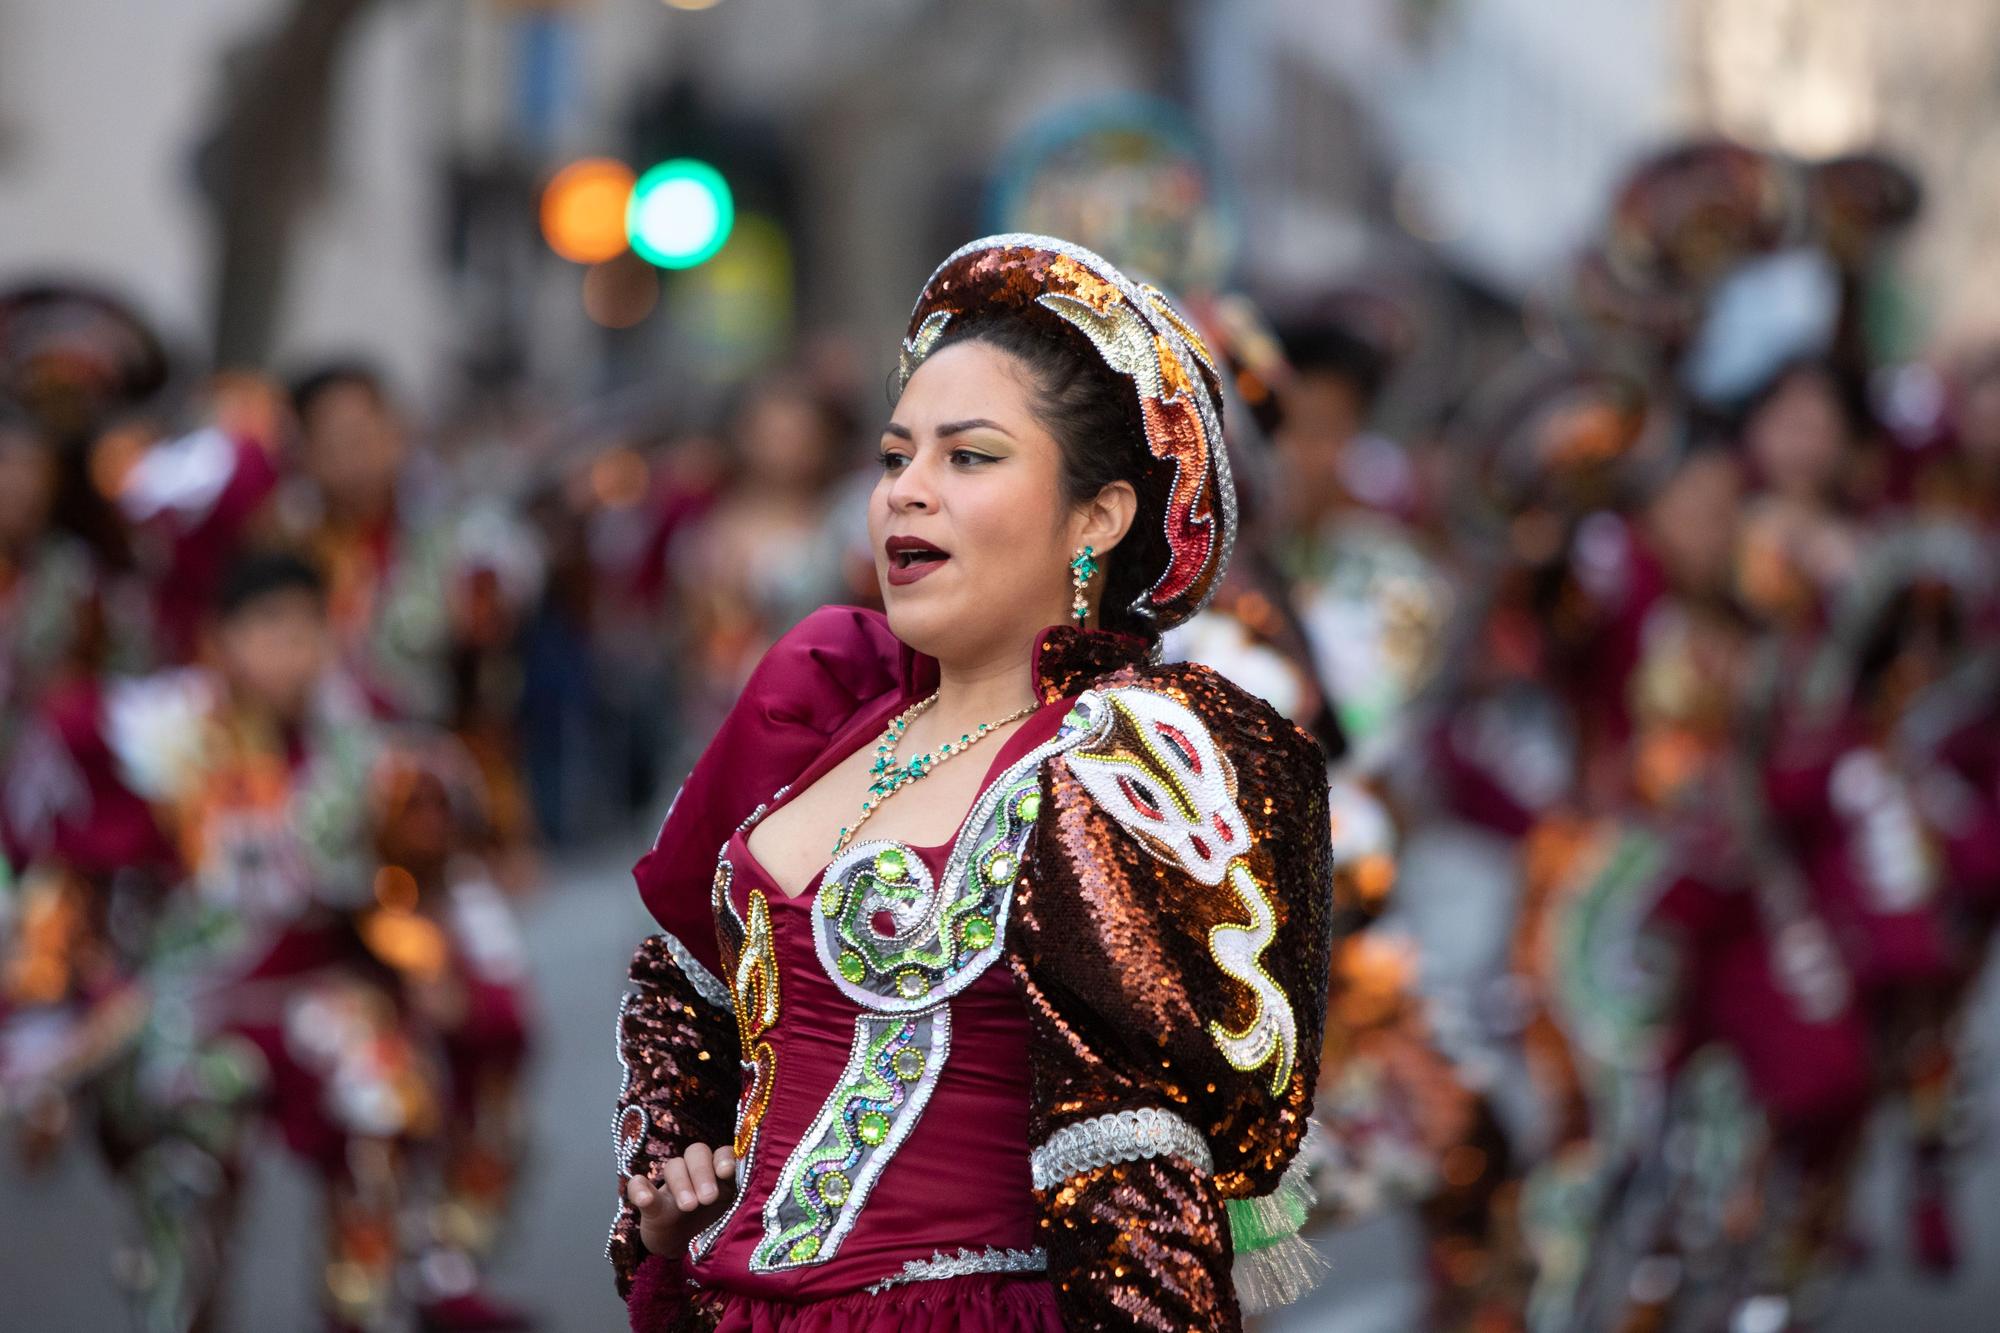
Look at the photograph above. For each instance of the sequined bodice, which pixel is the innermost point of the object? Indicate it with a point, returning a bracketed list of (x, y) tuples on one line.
[(885, 1110)]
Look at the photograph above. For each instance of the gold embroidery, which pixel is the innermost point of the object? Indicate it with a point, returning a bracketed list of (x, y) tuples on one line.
[(756, 1013), (1239, 951)]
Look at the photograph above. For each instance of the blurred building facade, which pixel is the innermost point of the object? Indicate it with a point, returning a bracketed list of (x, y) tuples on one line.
[(1821, 77), (1483, 131), (105, 110)]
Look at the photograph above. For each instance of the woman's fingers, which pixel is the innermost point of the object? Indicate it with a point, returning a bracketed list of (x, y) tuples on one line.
[(686, 1183), (657, 1215), (701, 1172), (678, 1185), (645, 1198)]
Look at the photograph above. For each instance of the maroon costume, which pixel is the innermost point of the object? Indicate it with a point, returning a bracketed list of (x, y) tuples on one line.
[(1109, 943), (1098, 1135)]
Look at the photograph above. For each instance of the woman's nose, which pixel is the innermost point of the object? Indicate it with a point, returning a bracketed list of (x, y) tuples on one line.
[(911, 488)]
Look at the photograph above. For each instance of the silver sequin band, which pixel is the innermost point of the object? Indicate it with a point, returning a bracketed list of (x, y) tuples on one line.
[(1126, 1136), (940, 1265), (706, 983)]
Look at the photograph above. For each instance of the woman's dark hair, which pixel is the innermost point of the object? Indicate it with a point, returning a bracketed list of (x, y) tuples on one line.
[(1093, 412), (323, 379), (1330, 350), (257, 574)]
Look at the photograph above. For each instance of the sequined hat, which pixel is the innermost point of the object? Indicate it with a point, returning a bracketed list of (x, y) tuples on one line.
[(1140, 335)]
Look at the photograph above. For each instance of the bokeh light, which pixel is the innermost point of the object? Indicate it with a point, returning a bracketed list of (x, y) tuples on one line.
[(583, 210), (620, 292), (681, 213)]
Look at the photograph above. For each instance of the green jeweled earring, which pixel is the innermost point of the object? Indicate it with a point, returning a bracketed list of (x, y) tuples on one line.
[(1082, 569)]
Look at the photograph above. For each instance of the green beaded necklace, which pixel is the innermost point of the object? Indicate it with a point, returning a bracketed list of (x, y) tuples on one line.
[(889, 775)]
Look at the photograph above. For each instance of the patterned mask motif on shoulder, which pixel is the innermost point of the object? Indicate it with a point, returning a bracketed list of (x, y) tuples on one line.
[(1153, 766), (1158, 772)]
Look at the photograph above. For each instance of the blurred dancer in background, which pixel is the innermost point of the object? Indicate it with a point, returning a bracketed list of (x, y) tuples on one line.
[(763, 553), (53, 621), (254, 957), (425, 591)]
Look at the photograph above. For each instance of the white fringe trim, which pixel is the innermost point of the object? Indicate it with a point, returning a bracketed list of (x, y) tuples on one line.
[(1277, 1276), (1280, 1273)]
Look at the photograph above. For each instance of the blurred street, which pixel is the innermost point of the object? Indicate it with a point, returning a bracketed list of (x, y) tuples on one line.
[(578, 932)]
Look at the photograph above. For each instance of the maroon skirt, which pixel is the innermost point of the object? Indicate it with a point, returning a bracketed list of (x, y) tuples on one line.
[(948, 1305), (977, 1303)]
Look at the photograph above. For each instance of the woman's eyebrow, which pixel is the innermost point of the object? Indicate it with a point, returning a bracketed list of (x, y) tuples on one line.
[(949, 428), (973, 423)]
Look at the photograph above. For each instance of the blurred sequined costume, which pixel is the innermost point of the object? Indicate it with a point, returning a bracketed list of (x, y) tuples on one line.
[(224, 859), (1149, 856), (425, 602), (247, 958)]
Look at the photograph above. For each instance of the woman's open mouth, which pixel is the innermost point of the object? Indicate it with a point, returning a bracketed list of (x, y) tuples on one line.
[(910, 558)]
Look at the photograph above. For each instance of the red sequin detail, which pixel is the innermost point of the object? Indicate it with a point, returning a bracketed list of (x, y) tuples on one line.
[(1182, 745), (1140, 797)]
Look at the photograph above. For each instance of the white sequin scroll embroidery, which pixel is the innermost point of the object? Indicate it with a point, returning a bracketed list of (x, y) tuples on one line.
[(900, 942), (891, 1069), (1157, 771), (1272, 1033)]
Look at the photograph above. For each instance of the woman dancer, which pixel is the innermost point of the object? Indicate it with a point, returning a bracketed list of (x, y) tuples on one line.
[(1026, 1040)]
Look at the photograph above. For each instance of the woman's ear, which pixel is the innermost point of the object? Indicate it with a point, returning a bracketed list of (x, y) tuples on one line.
[(1106, 519)]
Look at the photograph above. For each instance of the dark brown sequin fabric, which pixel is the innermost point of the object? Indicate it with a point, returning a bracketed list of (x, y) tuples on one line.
[(1140, 1245), (1115, 946), (681, 1074), (1068, 660)]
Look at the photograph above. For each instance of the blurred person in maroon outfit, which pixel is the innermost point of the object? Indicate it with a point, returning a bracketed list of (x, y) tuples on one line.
[(424, 593), (65, 610), (1880, 785), (759, 552), (263, 963)]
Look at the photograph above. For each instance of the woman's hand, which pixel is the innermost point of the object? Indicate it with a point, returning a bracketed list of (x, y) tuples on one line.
[(692, 1190)]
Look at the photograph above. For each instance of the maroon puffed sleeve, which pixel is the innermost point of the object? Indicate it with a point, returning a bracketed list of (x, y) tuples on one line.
[(831, 665)]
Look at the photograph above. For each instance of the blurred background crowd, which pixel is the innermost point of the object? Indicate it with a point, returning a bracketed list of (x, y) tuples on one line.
[(417, 416)]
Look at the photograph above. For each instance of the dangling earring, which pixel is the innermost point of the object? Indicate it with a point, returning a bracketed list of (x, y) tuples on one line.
[(1082, 569)]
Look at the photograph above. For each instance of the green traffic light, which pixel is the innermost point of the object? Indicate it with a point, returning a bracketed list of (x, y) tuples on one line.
[(680, 214)]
